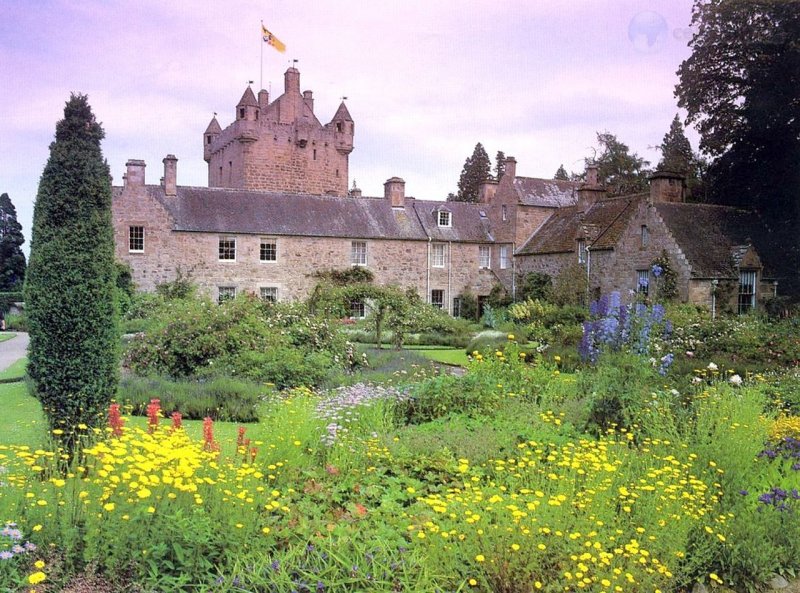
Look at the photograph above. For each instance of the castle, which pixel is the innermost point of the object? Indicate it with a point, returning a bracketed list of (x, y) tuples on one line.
[(277, 210)]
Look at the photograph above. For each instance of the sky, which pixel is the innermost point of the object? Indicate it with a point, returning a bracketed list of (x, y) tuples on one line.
[(425, 80)]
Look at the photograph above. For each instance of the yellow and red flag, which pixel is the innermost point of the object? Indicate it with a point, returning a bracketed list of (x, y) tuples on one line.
[(270, 39)]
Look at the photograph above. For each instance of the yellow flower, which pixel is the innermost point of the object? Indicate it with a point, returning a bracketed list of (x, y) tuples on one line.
[(37, 577), (109, 506), (714, 577), (511, 337), (37, 527), (265, 530), (39, 564), (56, 431), (480, 558), (472, 582), (515, 547)]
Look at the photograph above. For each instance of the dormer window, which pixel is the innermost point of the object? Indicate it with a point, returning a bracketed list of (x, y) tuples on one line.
[(581, 251), (444, 218)]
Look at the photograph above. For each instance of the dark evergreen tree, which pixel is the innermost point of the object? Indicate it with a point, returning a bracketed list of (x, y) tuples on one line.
[(499, 165), (677, 156), (622, 172), (12, 260), (70, 284), (477, 169), (561, 174), (740, 87)]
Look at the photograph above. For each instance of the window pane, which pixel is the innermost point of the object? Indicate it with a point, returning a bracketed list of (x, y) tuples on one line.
[(437, 298), (227, 248), (226, 293), (747, 290), (136, 238), (503, 257), (643, 282), (437, 255), (444, 218), (358, 310), (269, 293), (484, 256), (269, 250), (358, 253)]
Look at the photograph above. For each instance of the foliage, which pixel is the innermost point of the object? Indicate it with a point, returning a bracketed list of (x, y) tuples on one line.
[(677, 157), (244, 337), (534, 285), (561, 173), (182, 287), (219, 398), (477, 169), (12, 260), (665, 286), (498, 297), (69, 289), (9, 298), (351, 275), (499, 165), (570, 286), (621, 172), (737, 91), (469, 305)]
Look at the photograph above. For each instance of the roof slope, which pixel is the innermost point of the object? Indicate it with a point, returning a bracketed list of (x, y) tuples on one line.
[(234, 211), (551, 193), (601, 226), (712, 237)]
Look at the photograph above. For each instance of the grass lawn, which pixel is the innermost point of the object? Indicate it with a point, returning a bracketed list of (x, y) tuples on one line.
[(23, 423), (15, 372), (4, 337), (452, 356)]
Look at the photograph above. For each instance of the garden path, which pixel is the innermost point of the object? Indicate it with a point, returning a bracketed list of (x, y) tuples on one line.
[(14, 349)]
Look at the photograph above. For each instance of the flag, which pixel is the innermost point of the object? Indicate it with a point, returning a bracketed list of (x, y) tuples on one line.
[(270, 39)]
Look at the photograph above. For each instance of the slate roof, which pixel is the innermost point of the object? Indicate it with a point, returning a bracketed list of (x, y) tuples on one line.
[(234, 211), (713, 237), (342, 113), (550, 193), (248, 99), (601, 226)]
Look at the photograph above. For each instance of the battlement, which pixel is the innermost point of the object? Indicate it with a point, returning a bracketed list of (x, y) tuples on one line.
[(280, 145)]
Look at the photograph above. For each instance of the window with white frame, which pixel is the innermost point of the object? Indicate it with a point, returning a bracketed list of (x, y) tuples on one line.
[(438, 255), (136, 239), (358, 253), (484, 256), (503, 257), (645, 236), (643, 282), (437, 298), (457, 307), (269, 294), (269, 249), (444, 218), (581, 251), (227, 248), (226, 293), (747, 290), (358, 310)]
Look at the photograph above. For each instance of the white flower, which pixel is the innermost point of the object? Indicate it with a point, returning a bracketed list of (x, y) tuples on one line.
[(712, 366), (696, 380), (735, 380)]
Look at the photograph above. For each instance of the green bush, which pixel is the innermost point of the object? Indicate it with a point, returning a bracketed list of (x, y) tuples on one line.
[(220, 398), (17, 322), (486, 340), (244, 337)]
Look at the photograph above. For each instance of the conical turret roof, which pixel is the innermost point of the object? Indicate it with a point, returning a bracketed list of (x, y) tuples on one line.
[(248, 99), (342, 113), (213, 127)]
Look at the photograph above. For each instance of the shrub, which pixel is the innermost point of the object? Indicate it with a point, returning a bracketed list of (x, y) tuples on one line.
[(486, 340), (534, 286), (469, 305), (220, 398), (17, 322)]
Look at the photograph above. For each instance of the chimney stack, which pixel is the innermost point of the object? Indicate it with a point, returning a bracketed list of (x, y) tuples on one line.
[(170, 175), (590, 190), (263, 100), (134, 177), (511, 168), (291, 81), (486, 191), (308, 99), (666, 186), (395, 190)]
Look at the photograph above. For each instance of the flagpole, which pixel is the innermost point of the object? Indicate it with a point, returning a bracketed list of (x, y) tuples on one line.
[(261, 41)]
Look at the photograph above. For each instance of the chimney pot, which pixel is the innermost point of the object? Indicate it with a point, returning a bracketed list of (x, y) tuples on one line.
[(511, 168), (395, 190), (170, 175), (134, 177)]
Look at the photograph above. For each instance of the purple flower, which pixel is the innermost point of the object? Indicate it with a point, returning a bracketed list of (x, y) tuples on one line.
[(657, 270), (743, 492)]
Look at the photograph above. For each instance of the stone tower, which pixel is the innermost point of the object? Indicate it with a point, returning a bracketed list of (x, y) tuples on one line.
[(280, 146)]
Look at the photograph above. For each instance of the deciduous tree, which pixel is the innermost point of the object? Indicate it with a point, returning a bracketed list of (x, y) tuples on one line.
[(621, 171)]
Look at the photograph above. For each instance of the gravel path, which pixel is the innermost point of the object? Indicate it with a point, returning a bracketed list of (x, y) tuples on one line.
[(14, 349)]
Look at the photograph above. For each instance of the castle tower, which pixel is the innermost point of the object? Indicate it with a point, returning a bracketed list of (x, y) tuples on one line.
[(281, 146)]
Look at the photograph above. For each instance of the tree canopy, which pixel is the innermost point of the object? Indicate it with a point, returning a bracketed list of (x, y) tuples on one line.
[(741, 88), (69, 289), (477, 169), (561, 174), (622, 172), (12, 260)]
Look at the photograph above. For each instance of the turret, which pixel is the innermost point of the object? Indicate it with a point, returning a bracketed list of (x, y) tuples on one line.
[(291, 81), (343, 129), (212, 132), (247, 108)]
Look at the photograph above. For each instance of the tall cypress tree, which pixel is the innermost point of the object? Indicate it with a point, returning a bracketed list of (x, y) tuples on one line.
[(12, 260), (69, 289), (477, 169)]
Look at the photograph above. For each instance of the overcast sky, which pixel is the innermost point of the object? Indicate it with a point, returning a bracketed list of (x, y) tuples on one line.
[(424, 80)]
